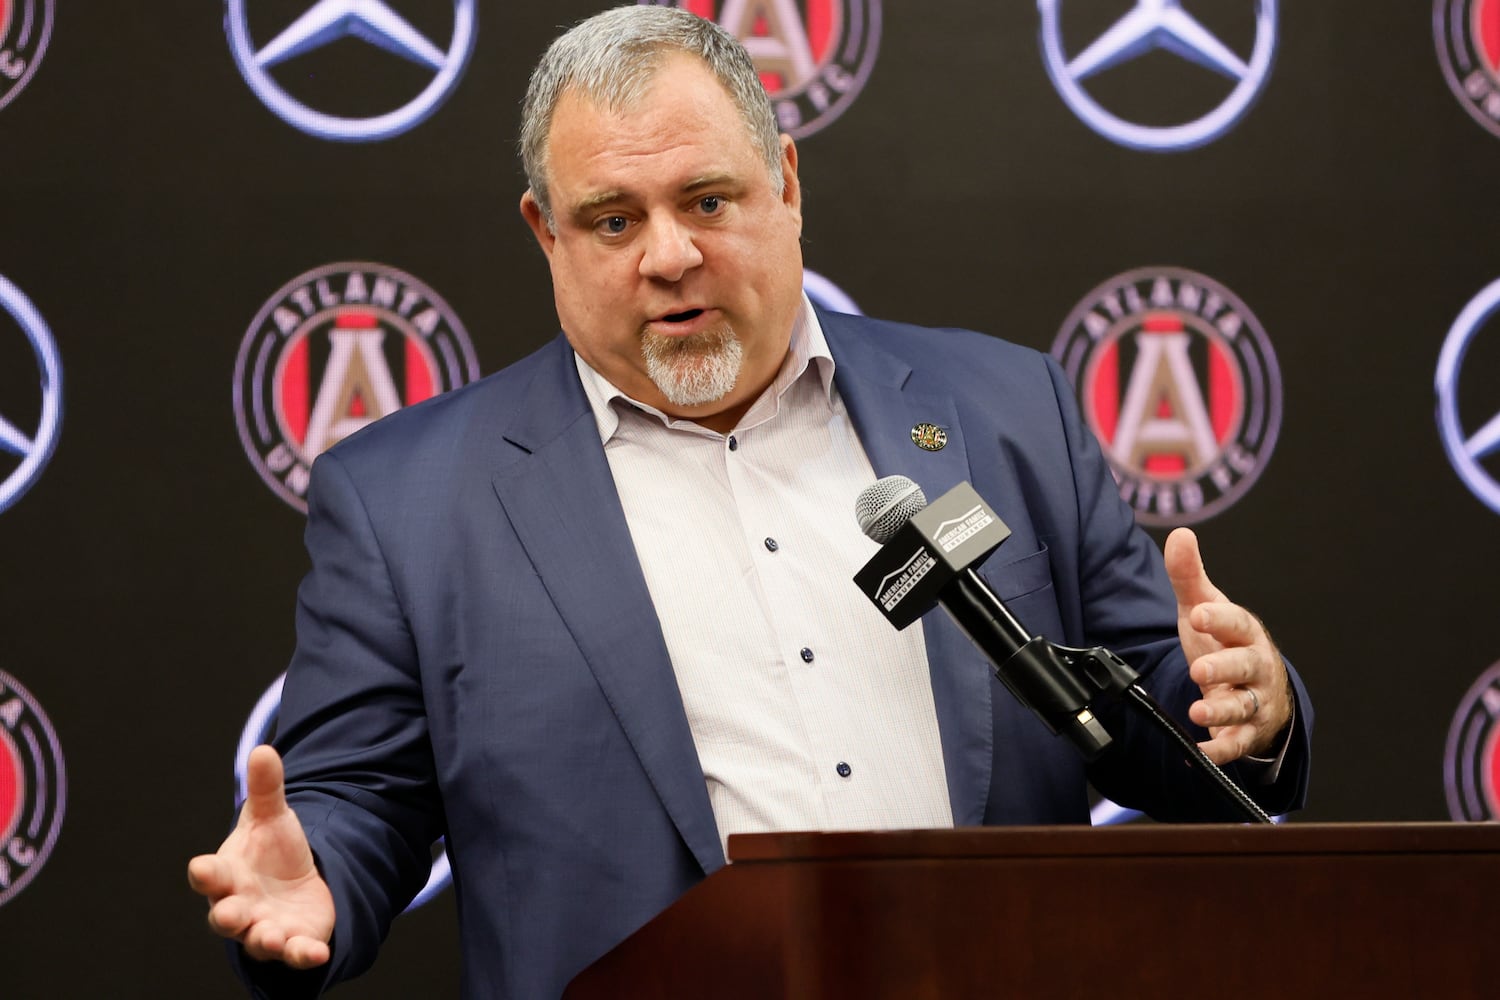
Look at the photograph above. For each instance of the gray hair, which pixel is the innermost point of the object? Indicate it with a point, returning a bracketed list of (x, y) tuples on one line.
[(611, 58)]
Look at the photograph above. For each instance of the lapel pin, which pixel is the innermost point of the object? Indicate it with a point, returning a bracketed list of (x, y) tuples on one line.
[(929, 437)]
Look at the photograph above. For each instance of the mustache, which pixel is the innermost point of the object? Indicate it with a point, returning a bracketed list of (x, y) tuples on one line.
[(662, 346)]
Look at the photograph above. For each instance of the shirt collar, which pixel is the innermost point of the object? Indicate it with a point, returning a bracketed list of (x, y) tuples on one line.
[(807, 349)]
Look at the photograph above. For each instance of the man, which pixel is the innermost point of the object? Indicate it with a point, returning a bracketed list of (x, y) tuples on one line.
[(591, 615)]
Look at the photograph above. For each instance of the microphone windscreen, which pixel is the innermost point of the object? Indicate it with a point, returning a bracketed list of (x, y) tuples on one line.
[(886, 504)]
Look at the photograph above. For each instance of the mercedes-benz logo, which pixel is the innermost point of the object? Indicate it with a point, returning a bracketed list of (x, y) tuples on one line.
[(32, 447), (1149, 26), (828, 295), (370, 21), (1467, 450)]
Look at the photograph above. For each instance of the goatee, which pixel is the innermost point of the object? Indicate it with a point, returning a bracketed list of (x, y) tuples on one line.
[(694, 369)]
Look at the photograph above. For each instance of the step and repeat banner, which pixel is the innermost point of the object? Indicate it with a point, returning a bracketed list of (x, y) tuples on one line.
[(1257, 236)]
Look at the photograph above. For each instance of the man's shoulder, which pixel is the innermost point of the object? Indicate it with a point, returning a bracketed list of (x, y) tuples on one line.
[(953, 351), (481, 409)]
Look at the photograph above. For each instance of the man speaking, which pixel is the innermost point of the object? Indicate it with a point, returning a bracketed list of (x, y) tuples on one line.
[(591, 615)]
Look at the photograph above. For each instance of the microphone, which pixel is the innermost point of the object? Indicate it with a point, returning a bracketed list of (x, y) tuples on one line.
[(927, 557)]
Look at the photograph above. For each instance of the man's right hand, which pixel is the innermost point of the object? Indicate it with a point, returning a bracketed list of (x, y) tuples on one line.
[(262, 886)]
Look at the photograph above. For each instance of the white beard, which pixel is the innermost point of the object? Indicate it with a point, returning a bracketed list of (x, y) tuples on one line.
[(696, 369)]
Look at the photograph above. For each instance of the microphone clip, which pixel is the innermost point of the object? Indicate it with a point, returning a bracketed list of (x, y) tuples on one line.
[(1060, 684), (1063, 684)]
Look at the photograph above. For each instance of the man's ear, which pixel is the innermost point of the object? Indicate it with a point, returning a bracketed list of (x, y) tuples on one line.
[(531, 211), (791, 191)]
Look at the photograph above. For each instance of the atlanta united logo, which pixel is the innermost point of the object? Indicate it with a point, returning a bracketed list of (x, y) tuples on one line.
[(1472, 760), (1467, 33), (1178, 382), (335, 349), (25, 27), (33, 788), (814, 57)]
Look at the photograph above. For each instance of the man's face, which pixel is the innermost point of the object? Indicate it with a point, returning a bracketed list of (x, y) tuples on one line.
[(676, 267)]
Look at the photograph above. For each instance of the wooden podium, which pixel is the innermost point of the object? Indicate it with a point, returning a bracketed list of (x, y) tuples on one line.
[(1328, 911)]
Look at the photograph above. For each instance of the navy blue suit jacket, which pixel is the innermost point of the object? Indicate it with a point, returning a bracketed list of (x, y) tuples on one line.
[(478, 656)]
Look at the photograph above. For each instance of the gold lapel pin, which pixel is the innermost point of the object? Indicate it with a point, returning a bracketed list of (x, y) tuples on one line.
[(929, 437)]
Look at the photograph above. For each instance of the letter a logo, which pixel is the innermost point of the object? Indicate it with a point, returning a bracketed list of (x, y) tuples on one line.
[(774, 35), (1163, 422), (357, 386), (814, 56)]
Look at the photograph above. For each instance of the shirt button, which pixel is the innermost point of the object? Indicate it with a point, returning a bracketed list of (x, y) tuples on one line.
[(771, 545), (844, 770), (807, 655), (734, 443)]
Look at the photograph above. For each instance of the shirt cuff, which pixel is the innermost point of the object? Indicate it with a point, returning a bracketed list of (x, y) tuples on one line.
[(1265, 770)]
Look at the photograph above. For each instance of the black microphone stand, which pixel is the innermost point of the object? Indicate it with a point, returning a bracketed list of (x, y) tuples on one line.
[(1062, 685)]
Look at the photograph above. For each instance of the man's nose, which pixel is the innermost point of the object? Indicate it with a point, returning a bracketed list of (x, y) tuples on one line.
[(670, 251)]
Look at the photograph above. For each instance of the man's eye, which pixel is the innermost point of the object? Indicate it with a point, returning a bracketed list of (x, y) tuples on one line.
[(614, 225), (711, 204)]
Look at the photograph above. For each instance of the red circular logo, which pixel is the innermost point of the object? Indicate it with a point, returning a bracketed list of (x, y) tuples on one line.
[(25, 27), (1180, 385), (1472, 759), (813, 57), (335, 349), (33, 788), (1467, 33)]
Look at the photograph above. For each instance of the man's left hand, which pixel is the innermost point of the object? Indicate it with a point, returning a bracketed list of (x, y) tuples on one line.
[(1246, 696)]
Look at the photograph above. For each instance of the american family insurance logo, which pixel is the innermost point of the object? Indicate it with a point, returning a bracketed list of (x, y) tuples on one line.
[(814, 57), (1179, 383), (336, 349), (403, 65), (1159, 75)]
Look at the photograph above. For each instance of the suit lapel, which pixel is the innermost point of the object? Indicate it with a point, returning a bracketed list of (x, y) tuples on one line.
[(560, 497), (556, 488), (886, 400)]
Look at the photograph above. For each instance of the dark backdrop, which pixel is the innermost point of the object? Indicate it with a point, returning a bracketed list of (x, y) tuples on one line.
[(152, 205)]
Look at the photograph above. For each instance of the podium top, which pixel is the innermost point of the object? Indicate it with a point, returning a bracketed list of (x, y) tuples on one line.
[(1351, 909), (1147, 839)]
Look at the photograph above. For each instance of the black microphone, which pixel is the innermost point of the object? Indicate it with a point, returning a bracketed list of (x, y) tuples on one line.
[(927, 557)]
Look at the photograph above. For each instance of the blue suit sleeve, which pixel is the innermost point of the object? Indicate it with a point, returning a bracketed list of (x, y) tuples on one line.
[(353, 734)]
